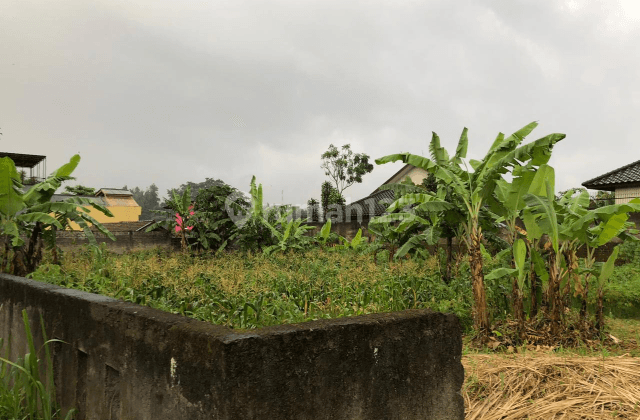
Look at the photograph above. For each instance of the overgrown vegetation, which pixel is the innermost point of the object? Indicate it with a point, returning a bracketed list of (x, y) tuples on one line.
[(29, 219), (247, 290), (255, 289), (541, 260)]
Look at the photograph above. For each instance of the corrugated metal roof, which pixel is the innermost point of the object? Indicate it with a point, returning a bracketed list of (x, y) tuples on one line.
[(113, 191), (62, 197), (23, 160), (627, 174), (376, 204)]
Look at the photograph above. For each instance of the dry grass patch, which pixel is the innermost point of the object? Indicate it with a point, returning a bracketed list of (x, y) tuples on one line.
[(547, 386)]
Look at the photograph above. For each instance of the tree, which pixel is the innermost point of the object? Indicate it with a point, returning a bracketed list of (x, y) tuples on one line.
[(147, 199), (80, 190), (470, 191), (195, 187), (329, 196), (344, 167), (212, 226), (313, 210)]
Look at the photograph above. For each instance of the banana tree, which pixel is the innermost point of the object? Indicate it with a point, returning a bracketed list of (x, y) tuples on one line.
[(34, 216), (181, 206), (519, 272), (437, 217), (569, 224), (594, 228), (471, 190)]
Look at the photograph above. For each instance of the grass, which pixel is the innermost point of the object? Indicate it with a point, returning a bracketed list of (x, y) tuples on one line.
[(23, 394)]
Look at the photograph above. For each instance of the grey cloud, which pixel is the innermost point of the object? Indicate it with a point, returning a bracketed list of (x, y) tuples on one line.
[(152, 92)]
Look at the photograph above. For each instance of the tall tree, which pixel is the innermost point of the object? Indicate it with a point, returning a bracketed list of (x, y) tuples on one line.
[(147, 199), (195, 187), (344, 167), (329, 196), (79, 190)]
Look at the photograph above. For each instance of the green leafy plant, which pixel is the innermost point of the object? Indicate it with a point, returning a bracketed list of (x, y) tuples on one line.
[(23, 393), (212, 226), (183, 209), (354, 243), (32, 215), (292, 234)]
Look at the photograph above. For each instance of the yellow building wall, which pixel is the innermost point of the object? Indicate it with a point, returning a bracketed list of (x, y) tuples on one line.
[(125, 212), (416, 174)]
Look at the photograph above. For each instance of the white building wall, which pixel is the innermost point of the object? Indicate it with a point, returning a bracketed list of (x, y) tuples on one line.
[(624, 195)]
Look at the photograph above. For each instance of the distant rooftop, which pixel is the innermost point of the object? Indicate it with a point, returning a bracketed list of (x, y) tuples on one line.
[(114, 191), (23, 160), (628, 174)]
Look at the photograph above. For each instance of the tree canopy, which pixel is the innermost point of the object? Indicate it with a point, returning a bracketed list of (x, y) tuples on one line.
[(344, 167)]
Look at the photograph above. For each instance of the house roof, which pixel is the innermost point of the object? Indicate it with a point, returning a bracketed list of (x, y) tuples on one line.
[(114, 191), (405, 168), (371, 205), (628, 174), (23, 160), (56, 198)]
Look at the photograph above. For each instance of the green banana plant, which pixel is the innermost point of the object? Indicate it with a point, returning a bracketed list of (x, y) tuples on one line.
[(291, 236), (325, 232), (569, 223), (351, 244), (34, 216), (183, 209), (414, 230), (471, 190), (606, 270)]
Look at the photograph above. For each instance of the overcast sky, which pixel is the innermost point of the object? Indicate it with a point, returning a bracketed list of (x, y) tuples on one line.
[(166, 92)]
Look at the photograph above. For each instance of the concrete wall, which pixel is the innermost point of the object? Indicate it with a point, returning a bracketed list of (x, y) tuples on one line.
[(346, 229), (125, 241), (125, 361)]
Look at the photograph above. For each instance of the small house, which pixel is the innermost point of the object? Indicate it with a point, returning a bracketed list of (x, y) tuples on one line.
[(624, 182)]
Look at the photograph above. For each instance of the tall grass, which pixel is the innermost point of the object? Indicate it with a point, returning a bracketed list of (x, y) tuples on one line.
[(23, 395)]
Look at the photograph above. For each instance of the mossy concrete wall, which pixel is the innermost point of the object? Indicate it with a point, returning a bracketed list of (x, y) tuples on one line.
[(125, 241), (125, 361)]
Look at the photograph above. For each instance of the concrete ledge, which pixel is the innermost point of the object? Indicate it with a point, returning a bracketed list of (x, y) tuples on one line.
[(125, 361)]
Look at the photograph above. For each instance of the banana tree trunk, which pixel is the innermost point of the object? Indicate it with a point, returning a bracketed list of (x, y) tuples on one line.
[(480, 313), (183, 240), (585, 298), (447, 275), (5, 255), (554, 299), (533, 279), (599, 310), (518, 306)]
